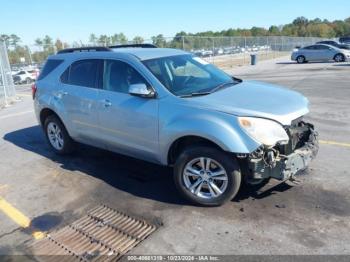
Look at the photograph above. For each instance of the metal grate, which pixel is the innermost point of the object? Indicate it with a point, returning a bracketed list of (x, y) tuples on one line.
[(104, 234)]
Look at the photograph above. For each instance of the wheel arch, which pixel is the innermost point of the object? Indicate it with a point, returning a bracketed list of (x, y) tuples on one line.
[(181, 143), (46, 112), (221, 132)]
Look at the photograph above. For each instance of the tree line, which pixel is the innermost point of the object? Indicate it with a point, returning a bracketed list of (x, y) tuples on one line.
[(300, 27)]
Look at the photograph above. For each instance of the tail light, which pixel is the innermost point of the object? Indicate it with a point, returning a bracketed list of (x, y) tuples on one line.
[(34, 88)]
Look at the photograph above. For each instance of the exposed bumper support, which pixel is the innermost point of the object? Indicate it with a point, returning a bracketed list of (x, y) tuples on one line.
[(276, 164), (301, 158)]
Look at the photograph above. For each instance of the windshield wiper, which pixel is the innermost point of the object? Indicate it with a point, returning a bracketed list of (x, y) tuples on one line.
[(196, 94), (222, 86)]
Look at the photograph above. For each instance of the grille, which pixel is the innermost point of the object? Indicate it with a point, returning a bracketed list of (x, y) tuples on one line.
[(103, 234)]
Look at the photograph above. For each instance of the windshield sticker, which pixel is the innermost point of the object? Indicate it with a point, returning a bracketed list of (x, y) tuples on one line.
[(200, 60)]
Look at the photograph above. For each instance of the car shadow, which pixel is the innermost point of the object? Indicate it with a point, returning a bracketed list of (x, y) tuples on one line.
[(286, 63), (341, 65), (257, 191), (137, 177), (295, 63)]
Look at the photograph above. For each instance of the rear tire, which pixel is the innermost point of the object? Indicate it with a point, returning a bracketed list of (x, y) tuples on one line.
[(207, 176), (57, 136), (301, 59), (28, 80), (339, 58)]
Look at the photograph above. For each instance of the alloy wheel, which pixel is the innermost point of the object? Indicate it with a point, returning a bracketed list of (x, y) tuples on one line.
[(55, 136), (338, 58), (301, 59), (205, 178)]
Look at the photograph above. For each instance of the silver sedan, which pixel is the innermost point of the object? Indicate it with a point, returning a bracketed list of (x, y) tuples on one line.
[(320, 52)]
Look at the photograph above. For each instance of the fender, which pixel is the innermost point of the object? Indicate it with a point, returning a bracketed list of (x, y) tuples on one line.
[(47, 101), (222, 130)]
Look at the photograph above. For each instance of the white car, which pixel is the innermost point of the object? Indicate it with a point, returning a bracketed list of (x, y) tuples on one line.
[(25, 76)]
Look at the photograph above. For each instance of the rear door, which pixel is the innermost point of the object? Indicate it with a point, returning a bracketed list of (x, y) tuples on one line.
[(324, 52), (79, 94), (128, 124)]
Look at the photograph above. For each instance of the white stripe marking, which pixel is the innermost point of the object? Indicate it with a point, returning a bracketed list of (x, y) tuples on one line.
[(17, 114)]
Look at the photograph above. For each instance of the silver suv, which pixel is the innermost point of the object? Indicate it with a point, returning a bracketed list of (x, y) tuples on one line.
[(172, 108)]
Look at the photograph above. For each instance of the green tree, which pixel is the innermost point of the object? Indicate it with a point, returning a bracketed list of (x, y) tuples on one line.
[(320, 30), (258, 31), (104, 40), (159, 40), (274, 30), (93, 39), (14, 40), (138, 40), (59, 45), (119, 39)]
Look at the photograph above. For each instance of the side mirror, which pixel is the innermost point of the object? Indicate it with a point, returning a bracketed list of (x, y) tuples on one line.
[(141, 90)]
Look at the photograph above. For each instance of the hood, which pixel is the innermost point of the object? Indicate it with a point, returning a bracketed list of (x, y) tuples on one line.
[(257, 99)]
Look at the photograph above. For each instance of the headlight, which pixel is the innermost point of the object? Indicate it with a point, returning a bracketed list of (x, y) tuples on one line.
[(264, 131)]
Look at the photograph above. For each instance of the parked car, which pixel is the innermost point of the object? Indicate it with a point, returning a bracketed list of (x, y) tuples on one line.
[(320, 52), (172, 108), (16, 79), (206, 53), (25, 76), (335, 44), (345, 39)]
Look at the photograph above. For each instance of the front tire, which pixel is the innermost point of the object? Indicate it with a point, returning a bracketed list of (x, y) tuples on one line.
[(207, 176), (339, 58), (57, 136), (301, 59)]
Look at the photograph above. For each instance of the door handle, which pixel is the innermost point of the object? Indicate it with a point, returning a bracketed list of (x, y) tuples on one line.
[(107, 103)]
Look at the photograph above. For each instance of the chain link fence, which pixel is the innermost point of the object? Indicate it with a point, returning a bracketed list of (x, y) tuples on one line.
[(225, 52), (7, 88)]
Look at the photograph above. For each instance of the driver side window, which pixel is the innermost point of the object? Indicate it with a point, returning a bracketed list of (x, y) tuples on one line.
[(118, 76)]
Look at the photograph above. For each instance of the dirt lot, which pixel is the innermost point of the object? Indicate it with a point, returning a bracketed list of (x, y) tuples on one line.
[(310, 218), (228, 62)]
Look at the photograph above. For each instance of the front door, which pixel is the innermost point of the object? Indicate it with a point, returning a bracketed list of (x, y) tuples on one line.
[(128, 124)]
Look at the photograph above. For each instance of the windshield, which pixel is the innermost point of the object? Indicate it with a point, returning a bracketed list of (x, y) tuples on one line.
[(185, 75)]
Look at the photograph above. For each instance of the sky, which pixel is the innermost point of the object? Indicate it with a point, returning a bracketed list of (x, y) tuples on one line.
[(74, 20)]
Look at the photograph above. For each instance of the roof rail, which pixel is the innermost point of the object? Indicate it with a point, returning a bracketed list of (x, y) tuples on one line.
[(134, 45), (84, 49)]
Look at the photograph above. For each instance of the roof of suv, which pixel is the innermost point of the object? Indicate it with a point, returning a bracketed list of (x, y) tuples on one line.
[(140, 53)]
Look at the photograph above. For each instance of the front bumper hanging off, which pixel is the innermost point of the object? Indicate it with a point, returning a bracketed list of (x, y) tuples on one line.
[(282, 162)]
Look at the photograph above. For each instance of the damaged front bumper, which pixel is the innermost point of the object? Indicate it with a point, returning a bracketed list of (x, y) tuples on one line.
[(282, 162)]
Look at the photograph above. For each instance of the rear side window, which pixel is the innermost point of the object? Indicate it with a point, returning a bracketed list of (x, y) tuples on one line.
[(321, 47), (50, 65), (82, 73)]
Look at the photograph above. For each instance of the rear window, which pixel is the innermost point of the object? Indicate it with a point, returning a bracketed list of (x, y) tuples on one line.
[(82, 73), (50, 65)]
